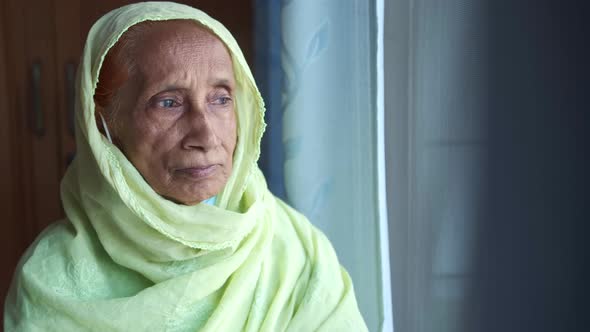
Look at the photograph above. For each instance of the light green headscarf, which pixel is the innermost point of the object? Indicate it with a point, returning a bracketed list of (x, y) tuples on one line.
[(126, 259)]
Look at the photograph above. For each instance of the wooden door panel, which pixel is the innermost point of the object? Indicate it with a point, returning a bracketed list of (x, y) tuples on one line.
[(39, 36), (29, 40), (15, 78), (11, 241), (68, 49)]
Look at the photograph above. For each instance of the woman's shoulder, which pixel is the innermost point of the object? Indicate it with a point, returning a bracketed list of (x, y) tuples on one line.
[(47, 253), (62, 272), (33, 273), (51, 241)]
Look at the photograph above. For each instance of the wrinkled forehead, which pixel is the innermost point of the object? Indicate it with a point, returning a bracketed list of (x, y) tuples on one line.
[(161, 47), (179, 30), (168, 33), (173, 38)]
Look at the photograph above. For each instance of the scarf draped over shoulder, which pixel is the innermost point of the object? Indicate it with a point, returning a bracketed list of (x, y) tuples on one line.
[(126, 259)]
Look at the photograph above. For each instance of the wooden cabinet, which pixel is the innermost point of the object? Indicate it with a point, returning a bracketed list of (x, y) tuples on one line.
[(40, 45)]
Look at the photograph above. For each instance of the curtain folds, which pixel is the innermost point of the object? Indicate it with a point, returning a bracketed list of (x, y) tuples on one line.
[(329, 132), (317, 73)]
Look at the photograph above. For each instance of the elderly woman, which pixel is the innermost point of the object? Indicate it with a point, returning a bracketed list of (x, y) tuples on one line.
[(170, 225)]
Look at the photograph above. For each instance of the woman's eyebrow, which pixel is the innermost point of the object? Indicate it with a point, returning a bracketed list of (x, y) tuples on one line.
[(221, 82), (215, 82), (169, 88)]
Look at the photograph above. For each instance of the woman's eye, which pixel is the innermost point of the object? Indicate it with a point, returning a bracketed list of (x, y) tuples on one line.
[(167, 103), (222, 100)]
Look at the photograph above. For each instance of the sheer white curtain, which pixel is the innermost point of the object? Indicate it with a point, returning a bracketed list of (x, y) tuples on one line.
[(435, 106), (330, 136), (434, 89)]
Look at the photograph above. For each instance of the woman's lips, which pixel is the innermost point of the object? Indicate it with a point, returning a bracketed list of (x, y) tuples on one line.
[(198, 172)]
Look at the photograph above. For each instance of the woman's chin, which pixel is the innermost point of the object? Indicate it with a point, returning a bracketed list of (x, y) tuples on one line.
[(192, 196), (189, 201), (189, 190)]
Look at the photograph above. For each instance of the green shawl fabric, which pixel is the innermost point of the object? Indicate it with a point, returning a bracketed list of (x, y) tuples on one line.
[(125, 259)]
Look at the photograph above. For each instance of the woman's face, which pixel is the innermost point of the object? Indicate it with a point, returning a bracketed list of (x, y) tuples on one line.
[(176, 121)]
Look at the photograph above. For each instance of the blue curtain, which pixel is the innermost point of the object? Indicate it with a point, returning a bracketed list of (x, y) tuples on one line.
[(269, 77)]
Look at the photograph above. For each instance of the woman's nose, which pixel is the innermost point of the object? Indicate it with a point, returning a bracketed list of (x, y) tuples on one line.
[(201, 133)]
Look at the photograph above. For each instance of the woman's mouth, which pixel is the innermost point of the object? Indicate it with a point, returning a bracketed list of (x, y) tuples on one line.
[(199, 171)]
